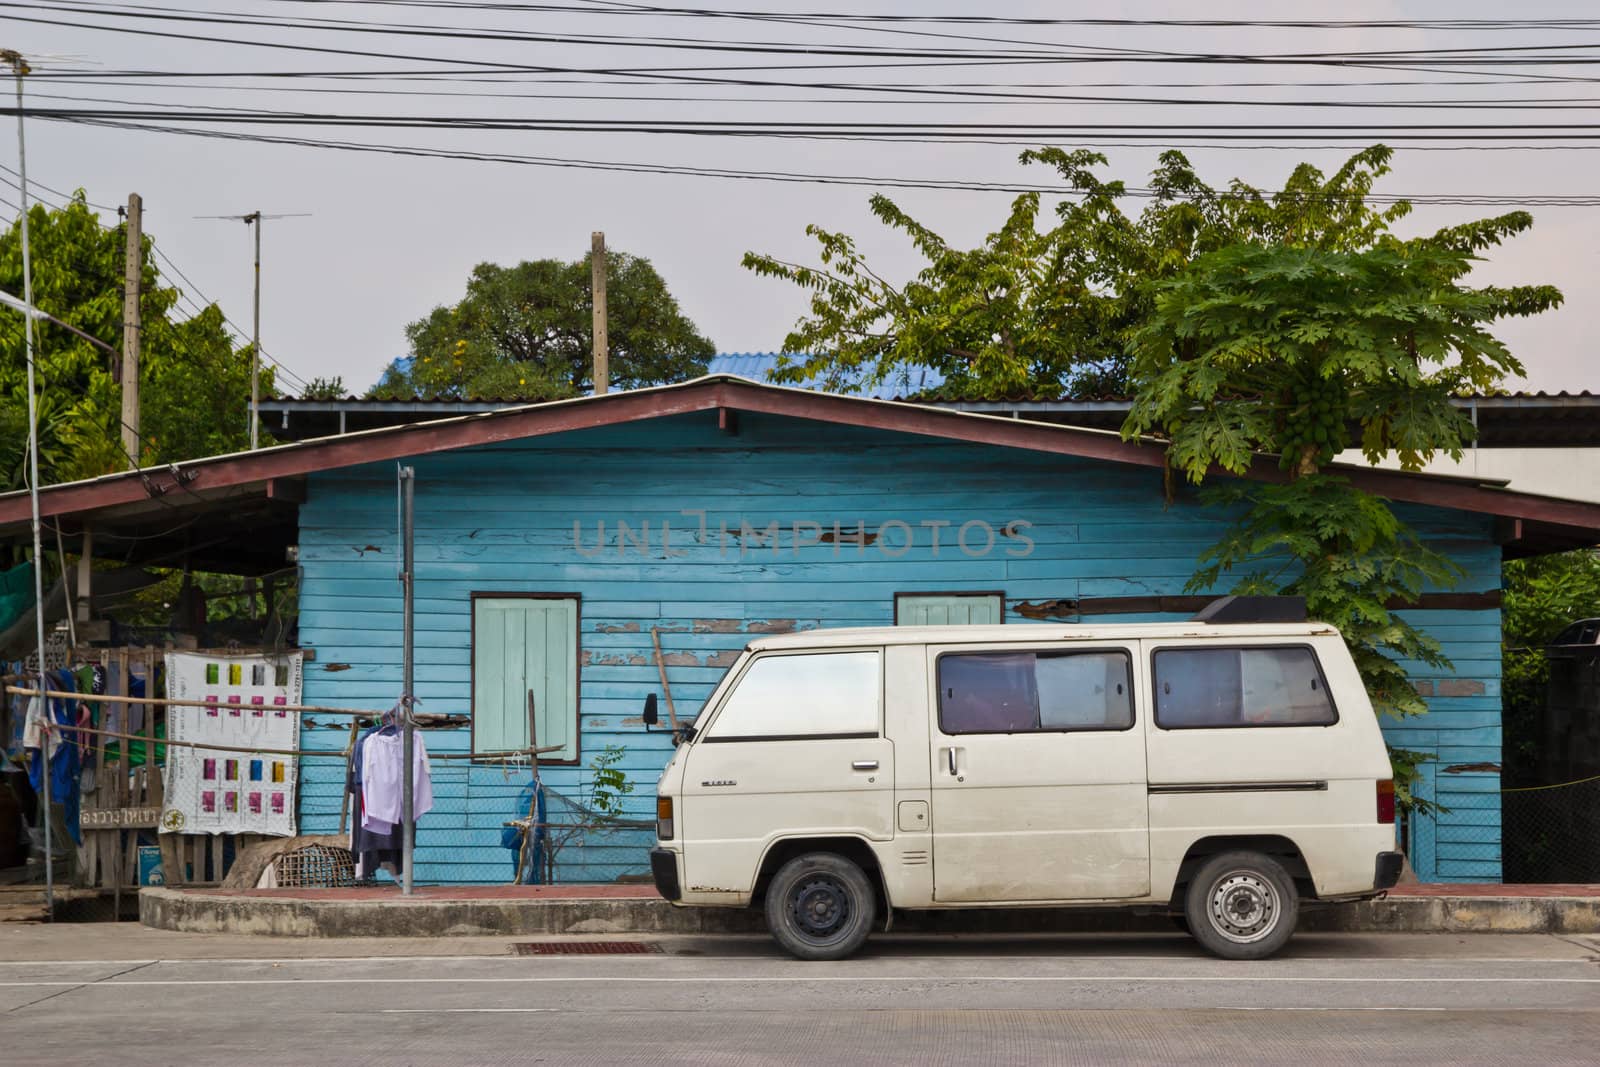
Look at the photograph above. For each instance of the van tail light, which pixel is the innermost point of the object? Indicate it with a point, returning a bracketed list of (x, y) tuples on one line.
[(1386, 802), (664, 818)]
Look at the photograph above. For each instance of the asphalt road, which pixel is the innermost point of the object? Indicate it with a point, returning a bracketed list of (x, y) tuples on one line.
[(1332, 999)]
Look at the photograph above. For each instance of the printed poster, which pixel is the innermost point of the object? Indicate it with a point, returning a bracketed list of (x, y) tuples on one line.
[(245, 789)]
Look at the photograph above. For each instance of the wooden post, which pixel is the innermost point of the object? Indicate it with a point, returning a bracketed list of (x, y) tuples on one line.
[(602, 352), (85, 573), (134, 265), (661, 668)]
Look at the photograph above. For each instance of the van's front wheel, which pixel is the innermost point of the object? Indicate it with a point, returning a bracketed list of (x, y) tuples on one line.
[(820, 906), (1242, 905)]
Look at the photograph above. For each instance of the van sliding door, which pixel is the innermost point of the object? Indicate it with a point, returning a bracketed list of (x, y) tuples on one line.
[(1038, 774)]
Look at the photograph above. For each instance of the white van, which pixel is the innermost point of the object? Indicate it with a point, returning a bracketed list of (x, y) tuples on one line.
[(1224, 772)]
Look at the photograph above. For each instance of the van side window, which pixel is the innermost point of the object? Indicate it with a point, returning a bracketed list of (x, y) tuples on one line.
[(1203, 687), (833, 694), (1031, 692)]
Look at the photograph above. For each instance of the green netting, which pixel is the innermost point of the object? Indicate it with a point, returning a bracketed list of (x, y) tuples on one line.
[(16, 594)]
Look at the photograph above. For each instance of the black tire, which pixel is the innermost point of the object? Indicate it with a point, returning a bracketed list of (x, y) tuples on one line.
[(1242, 906), (820, 906)]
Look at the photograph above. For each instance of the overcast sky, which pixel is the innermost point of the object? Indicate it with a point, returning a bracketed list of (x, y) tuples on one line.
[(388, 237)]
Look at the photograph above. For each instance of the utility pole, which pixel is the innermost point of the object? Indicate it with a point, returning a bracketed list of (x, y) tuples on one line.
[(602, 355), (19, 67), (134, 266), (408, 590)]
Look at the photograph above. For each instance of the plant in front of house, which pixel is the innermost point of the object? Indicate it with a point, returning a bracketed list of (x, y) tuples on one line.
[(597, 810), (1295, 353), (1247, 324)]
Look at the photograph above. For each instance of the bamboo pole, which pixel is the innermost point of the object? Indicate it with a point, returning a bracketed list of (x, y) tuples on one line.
[(298, 709), (661, 667), (299, 752)]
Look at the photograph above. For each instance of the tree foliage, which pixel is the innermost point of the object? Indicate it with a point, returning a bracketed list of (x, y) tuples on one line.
[(1047, 306), (194, 385), (1294, 351), (526, 332), (1281, 350)]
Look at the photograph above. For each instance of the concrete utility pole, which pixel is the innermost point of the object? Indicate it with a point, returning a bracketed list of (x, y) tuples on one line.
[(602, 354), (19, 67), (131, 288)]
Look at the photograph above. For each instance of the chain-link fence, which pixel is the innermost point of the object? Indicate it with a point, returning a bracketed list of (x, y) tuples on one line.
[(1519, 835), (1552, 833)]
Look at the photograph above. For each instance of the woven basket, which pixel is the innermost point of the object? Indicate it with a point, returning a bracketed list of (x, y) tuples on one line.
[(316, 867)]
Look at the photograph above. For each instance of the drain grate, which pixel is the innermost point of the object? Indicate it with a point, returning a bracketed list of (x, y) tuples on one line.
[(583, 948)]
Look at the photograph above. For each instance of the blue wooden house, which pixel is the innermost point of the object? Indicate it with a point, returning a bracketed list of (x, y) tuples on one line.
[(558, 543)]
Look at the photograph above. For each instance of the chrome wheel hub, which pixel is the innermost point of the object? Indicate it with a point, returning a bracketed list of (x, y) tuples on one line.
[(1244, 907)]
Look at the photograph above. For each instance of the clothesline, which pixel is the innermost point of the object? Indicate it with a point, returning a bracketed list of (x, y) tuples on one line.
[(96, 698), (62, 728)]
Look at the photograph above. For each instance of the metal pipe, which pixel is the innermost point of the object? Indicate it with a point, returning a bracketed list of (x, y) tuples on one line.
[(20, 68), (255, 344), (408, 481)]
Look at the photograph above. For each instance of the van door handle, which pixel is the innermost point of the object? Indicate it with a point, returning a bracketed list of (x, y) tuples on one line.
[(864, 765), (951, 752)]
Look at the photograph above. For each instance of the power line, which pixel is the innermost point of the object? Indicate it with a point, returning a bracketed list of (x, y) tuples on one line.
[(1562, 54), (870, 181), (174, 267), (1584, 103), (881, 130)]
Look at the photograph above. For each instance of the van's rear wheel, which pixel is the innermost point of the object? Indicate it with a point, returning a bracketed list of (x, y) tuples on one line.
[(1242, 905), (820, 906)]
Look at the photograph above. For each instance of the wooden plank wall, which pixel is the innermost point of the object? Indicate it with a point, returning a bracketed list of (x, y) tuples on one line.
[(503, 518)]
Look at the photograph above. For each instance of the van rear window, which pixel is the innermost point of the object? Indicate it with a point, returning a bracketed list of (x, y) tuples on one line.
[(1209, 687), (1029, 692)]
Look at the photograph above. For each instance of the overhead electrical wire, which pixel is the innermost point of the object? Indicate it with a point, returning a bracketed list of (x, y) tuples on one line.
[(654, 10), (861, 180), (1492, 56), (976, 132)]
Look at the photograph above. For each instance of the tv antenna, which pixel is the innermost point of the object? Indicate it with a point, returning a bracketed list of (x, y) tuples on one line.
[(255, 219)]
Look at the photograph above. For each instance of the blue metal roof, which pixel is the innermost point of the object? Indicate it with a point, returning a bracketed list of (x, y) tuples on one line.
[(759, 365)]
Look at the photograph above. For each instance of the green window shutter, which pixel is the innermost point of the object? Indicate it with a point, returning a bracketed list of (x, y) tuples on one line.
[(521, 644), (948, 609)]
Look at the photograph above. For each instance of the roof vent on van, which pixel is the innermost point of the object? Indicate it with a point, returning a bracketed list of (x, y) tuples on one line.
[(1253, 609)]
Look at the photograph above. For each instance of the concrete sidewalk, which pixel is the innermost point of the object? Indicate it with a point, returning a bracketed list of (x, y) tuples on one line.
[(456, 911)]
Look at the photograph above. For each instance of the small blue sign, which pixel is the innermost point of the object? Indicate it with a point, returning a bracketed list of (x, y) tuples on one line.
[(150, 872)]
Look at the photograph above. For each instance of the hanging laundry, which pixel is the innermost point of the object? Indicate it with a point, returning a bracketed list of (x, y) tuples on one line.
[(373, 849), (57, 747), (383, 774)]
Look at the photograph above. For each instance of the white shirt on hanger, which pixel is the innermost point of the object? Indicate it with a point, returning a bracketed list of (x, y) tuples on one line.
[(383, 775)]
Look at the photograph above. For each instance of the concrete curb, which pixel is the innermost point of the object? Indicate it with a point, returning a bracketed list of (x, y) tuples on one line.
[(211, 913)]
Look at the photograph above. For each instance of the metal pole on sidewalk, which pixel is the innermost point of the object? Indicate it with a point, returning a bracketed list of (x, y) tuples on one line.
[(19, 67), (408, 483)]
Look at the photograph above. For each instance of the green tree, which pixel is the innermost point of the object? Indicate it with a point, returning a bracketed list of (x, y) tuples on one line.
[(324, 389), (525, 332), (1047, 309), (1247, 325), (194, 385), (1284, 351)]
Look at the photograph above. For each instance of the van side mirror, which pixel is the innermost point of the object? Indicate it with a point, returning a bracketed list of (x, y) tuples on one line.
[(651, 715)]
